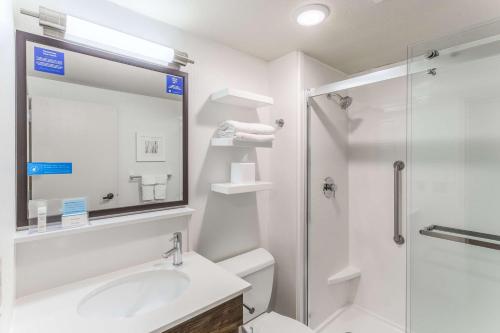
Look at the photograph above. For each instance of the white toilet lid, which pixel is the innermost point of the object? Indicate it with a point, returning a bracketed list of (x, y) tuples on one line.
[(273, 323)]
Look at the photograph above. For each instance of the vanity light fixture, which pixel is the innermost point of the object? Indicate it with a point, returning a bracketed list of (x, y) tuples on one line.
[(60, 25), (310, 15)]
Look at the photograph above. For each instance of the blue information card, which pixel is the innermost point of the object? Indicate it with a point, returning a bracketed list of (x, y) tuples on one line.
[(49, 61), (74, 206), (45, 168), (175, 85)]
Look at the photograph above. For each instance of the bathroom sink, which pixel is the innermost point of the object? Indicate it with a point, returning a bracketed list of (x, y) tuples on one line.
[(134, 295)]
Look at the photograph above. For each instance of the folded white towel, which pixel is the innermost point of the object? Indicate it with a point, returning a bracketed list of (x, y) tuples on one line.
[(148, 179), (148, 192), (228, 128), (248, 137), (160, 192)]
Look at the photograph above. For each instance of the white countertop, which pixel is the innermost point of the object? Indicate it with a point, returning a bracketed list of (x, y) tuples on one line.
[(55, 310)]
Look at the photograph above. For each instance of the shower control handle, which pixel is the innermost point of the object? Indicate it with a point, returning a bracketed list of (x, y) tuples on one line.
[(329, 188)]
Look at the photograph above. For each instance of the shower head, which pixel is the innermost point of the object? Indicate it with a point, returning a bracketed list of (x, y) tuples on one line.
[(343, 101)]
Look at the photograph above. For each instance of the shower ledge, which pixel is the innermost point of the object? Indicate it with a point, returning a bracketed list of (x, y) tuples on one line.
[(346, 274)]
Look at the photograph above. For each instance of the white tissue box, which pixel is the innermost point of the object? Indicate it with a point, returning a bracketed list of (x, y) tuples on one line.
[(242, 173), (76, 220)]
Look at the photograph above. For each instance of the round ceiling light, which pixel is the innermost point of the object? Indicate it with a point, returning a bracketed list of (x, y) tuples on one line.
[(310, 15)]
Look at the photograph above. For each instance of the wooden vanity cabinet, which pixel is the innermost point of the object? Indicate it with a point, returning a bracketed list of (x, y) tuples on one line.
[(225, 318)]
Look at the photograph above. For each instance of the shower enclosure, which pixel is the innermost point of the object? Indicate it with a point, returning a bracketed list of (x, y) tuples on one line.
[(403, 177), (454, 158)]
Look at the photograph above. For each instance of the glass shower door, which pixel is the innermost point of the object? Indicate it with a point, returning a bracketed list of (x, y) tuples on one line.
[(454, 184)]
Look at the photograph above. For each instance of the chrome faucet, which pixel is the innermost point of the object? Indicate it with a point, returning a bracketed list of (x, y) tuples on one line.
[(176, 251)]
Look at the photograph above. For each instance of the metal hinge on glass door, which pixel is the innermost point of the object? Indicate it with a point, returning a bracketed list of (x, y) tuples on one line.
[(431, 54), (29, 110)]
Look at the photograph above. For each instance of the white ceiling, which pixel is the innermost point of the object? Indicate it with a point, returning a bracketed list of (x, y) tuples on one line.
[(358, 35)]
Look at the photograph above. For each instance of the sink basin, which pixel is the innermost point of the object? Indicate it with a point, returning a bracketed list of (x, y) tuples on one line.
[(134, 295)]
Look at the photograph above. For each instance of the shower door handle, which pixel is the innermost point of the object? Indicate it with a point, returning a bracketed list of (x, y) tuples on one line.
[(398, 167), (431, 231)]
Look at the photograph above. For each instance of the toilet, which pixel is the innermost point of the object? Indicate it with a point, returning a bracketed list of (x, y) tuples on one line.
[(257, 268)]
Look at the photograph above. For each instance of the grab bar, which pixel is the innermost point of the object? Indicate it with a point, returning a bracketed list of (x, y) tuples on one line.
[(398, 167), (431, 232)]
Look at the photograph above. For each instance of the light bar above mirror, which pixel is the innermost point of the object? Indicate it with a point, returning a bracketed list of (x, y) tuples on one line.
[(80, 31)]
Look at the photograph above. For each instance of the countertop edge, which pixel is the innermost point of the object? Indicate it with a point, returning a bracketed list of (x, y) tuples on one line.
[(200, 311), (25, 236)]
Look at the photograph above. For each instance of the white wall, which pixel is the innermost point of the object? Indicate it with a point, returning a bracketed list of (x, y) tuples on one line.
[(328, 218), (284, 81), (377, 123), (7, 173), (222, 226)]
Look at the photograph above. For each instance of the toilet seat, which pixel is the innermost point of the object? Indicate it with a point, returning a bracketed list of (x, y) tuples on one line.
[(275, 323)]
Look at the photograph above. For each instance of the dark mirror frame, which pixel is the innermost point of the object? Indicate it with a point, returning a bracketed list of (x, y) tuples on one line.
[(21, 124)]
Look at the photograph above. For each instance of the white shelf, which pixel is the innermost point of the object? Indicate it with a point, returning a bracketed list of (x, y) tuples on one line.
[(105, 223), (346, 274), (230, 188), (241, 98), (230, 142)]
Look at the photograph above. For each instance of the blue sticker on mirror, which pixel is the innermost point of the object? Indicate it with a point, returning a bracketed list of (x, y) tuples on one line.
[(175, 85), (49, 61), (45, 168), (74, 206)]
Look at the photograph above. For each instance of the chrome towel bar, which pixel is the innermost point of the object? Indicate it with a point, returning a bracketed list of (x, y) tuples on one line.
[(431, 231), (139, 177)]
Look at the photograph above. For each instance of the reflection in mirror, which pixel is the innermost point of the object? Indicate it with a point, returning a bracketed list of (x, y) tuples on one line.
[(101, 130)]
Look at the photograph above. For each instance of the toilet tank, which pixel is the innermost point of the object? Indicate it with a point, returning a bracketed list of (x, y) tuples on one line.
[(257, 268)]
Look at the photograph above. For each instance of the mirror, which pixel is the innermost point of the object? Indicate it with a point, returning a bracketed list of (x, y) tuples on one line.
[(106, 128)]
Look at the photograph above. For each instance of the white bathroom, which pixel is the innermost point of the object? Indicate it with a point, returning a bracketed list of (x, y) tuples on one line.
[(249, 166)]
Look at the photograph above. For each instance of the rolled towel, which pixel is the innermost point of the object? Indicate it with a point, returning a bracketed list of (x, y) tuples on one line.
[(229, 128), (249, 137)]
